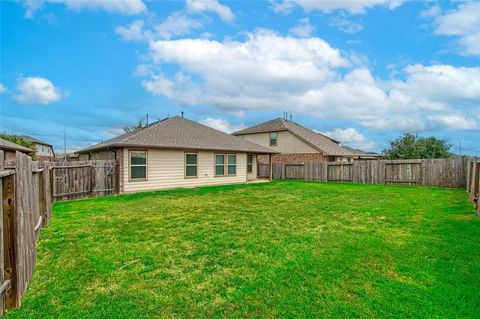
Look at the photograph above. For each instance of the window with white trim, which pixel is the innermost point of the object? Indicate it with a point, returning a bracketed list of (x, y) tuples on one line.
[(225, 164), (138, 165), (273, 138), (191, 165), (232, 164), (249, 163)]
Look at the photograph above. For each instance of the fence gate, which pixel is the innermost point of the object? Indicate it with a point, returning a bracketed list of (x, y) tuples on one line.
[(87, 179), (294, 171), (263, 171)]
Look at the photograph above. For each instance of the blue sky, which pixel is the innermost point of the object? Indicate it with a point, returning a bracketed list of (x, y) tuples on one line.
[(362, 72)]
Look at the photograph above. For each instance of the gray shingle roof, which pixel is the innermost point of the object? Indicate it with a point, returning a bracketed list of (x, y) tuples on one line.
[(181, 133), (9, 146), (321, 142), (34, 140)]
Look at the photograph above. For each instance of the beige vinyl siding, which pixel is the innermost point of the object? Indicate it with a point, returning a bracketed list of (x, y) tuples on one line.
[(253, 174), (166, 169), (287, 143)]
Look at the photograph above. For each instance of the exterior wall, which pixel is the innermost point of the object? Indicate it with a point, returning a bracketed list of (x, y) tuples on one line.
[(166, 169), (287, 143), (44, 152), (253, 174)]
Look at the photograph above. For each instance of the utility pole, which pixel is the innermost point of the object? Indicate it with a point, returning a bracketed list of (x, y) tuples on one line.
[(460, 145), (64, 144)]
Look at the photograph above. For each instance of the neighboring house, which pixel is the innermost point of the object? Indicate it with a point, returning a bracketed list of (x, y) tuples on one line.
[(10, 148), (362, 155), (177, 152), (294, 142), (71, 157), (43, 150)]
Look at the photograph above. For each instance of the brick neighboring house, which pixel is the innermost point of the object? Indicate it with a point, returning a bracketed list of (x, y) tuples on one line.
[(43, 150), (9, 149), (295, 143), (362, 155)]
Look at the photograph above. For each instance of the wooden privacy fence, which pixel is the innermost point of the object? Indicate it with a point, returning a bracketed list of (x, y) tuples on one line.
[(473, 182), (426, 172), (73, 180), (27, 191), (25, 208)]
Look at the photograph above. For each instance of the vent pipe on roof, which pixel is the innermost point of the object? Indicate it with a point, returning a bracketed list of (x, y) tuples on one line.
[(182, 114), (290, 117)]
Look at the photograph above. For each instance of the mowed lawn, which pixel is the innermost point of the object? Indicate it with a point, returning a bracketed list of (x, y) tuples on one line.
[(278, 250)]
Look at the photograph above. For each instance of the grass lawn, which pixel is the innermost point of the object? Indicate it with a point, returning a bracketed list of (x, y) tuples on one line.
[(284, 249)]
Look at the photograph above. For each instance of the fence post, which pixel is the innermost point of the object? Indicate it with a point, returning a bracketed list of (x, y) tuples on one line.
[(8, 196), (474, 181)]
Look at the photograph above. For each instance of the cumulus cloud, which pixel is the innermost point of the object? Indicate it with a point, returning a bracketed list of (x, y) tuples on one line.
[(303, 29), (463, 23), (351, 6), (351, 137), (222, 125), (3, 89), (128, 7), (223, 11), (37, 90), (268, 71)]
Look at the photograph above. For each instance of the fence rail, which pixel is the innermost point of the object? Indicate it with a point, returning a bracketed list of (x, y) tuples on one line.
[(428, 172)]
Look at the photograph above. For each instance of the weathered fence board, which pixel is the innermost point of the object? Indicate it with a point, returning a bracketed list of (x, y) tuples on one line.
[(450, 173), (74, 180), (294, 171)]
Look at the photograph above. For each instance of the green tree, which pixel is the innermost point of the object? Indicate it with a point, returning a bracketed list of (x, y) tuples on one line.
[(411, 146), (17, 140), (128, 129)]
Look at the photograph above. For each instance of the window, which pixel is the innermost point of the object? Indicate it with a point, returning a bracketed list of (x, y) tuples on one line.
[(138, 165), (249, 164), (191, 165), (232, 164), (219, 164), (273, 139), (226, 166)]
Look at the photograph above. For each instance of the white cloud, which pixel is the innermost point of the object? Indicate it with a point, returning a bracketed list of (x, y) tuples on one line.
[(345, 25), (271, 72), (37, 90), (3, 89), (223, 11), (303, 29), (351, 137), (134, 32), (351, 6), (128, 7), (463, 23), (222, 125), (175, 24)]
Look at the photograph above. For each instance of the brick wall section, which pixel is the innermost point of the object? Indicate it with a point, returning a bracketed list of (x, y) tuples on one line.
[(295, 158)]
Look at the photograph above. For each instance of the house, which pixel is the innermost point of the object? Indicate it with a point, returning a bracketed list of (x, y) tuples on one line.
[(71, 157), (295, 143), (43, 150), (362, 155), (177, 152), (10, 148)]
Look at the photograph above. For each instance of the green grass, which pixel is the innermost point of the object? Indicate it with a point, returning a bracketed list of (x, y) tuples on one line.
[(278, 250)]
